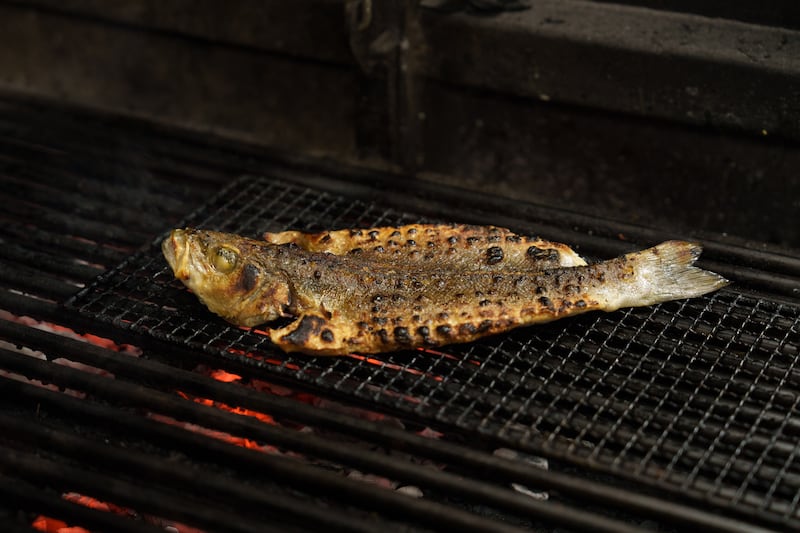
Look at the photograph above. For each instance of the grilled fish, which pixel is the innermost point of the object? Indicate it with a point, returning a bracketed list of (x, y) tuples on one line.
[(355, 302)]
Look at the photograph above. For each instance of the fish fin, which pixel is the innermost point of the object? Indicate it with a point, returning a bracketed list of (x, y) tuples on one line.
[(665, 272), (285, 237), (310, 333)]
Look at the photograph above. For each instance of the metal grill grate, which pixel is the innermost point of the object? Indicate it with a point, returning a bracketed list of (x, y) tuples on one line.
[(697, 397)]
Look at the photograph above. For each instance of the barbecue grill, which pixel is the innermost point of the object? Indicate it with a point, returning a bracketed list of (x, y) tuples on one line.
[(129, 407)]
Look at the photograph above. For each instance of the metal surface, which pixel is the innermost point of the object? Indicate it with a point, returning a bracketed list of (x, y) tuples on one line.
[(152, 431), (695, 397)]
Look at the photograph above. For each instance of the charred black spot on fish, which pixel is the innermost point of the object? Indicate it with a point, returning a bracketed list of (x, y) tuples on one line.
[(412, 231), (452, 239), (326, 238), (513, 238), (395, 233), (380, 249), (431, 244), (544, 301), (248, 278), (472, 240), (401, 335), (317, 274), (356, 233), (380, 320), (484, 303), (485, 326), (355, 251), (416, 318), (411, 242), (444, 330), (308, 326), (494, 255), (424, 331), (326, 335), (417, 284), (443, 316), (373, 235), (571, 289), (540, 290), (384, 336), (541, 254), (467, 329), (493, 238), (580, 303), (363, 325)]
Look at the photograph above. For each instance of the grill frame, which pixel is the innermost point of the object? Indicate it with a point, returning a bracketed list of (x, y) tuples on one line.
[(240, 208), (574, 489)]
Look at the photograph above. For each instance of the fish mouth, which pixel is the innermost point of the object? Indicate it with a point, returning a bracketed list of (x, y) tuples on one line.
[(174, 248)]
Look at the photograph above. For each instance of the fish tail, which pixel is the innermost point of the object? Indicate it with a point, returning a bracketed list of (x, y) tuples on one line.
[(666, 272)]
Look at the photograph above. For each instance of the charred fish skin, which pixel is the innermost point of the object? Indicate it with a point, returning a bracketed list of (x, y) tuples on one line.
[(353, 303), (421, 309), (443, 245)]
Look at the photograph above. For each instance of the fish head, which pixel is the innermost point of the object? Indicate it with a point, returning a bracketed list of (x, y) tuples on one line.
[(229, 275)]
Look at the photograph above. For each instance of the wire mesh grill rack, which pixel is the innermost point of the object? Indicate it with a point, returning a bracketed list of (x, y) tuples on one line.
[(697, 397)]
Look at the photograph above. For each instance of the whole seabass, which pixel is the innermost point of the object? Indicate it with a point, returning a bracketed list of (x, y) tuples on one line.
[(383, 289)]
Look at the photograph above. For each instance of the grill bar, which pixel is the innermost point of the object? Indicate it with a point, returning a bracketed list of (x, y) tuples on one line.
[(28, 279), (135, 495), (124, 367), (27, 496), (144, 468), (52, 264), (53, 220), (304, 443), (89, 207), (38, 239)]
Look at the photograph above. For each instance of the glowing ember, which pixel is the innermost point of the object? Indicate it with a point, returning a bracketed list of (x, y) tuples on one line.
[(227, 377), (53, 525), (64, 332)]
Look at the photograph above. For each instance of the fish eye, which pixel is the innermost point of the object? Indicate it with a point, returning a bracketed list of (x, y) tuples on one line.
[(223, 259)]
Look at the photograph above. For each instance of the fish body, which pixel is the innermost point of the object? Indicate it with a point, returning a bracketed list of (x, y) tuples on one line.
[(345, 302)]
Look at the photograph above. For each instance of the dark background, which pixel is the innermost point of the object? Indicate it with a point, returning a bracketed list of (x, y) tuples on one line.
[(681, 115)]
